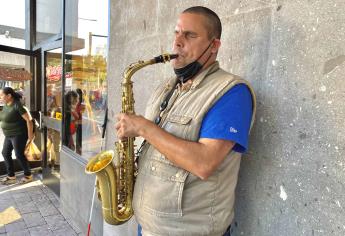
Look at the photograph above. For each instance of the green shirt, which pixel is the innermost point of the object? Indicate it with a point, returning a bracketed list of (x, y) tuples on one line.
[(12, 122)]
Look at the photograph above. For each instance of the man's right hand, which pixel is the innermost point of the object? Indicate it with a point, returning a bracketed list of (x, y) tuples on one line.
[(129, 125)]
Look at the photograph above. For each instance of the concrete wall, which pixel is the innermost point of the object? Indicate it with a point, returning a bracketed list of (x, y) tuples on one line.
[(292, 179), (292, 182)]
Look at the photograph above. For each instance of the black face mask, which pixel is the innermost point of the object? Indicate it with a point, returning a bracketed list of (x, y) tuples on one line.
[(190, 70), (187, 72)]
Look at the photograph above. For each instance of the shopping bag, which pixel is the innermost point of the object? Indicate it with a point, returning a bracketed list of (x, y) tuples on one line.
[(51, 152), (32, 153)]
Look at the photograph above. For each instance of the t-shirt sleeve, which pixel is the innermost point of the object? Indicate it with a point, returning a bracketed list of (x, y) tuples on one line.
[(21, 108), (230, 118)]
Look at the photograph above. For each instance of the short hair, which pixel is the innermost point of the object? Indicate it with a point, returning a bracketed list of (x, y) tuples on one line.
[(213, 24)]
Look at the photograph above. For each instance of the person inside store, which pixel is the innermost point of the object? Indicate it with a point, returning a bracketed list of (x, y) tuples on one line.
[(79, 109), (17, 127), (71, 101), (196, 128)]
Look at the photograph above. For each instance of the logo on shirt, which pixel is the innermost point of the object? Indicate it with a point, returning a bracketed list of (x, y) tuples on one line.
[(233, 130)]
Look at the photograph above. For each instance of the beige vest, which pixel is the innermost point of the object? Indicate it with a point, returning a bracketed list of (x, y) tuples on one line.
[(169, 200)]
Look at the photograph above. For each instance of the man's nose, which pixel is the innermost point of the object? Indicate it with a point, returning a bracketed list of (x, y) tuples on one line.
[(178, 42)]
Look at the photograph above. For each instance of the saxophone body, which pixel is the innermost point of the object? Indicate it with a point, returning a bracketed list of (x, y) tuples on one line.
[(115, 183)]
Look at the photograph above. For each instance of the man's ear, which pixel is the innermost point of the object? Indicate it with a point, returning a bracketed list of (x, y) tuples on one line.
[(215, 46)]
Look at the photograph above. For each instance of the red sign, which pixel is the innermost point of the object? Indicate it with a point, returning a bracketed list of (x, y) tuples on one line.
[(54, 73)]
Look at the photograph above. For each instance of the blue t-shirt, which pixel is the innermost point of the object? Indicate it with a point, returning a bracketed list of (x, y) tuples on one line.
[(230, 118)]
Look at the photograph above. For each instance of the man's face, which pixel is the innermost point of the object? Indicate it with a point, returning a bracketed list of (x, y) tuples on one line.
[(191, 40)]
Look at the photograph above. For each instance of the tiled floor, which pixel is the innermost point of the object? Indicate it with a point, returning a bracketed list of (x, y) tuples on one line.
[(32, 209)]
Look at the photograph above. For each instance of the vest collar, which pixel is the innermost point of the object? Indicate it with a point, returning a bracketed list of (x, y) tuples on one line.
[(197, 80), (209, 70)]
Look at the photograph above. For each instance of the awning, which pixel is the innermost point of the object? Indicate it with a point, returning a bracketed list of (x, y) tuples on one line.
[(14, 74)]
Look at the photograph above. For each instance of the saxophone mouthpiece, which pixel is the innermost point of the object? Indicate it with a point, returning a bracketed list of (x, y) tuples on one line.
[(173, 56), (165, 58)]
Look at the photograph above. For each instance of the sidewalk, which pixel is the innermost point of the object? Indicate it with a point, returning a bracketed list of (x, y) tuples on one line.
[(32, 209)]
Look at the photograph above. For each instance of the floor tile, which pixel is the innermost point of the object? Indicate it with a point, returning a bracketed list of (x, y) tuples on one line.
[(65, 231), (23, 200), (14, 227), (6, 203), (56, 222), (24, 232), (33, 219), (41, 230), (17, 195), (48, 210), (28, 207), (2, 229)]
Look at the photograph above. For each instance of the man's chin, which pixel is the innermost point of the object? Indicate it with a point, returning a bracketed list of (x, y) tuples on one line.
[(177, 65)]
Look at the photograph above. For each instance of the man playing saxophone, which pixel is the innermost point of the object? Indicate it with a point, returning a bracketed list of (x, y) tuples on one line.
[(196, 128)]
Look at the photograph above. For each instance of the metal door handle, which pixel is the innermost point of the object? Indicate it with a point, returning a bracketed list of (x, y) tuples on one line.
[(40, 119)]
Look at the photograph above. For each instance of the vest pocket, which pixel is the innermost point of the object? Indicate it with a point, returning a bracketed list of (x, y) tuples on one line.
[(177, 124), (178, 119), (163, 189)]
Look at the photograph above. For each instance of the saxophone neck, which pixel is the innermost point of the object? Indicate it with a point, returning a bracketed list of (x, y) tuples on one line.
[(134, 67)]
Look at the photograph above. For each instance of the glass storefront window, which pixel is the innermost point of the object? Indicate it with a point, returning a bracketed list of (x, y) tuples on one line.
[(53, 83), (86, 72), (48, 19), (12, 23)]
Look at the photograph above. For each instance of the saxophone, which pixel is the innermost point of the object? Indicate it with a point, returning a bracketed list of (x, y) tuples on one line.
[(115, 183)]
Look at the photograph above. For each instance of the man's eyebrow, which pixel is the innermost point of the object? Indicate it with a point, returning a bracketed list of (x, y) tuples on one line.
[(186, 32)]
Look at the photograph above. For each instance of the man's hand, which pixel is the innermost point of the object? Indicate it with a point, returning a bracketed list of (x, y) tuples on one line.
[(128, 125)]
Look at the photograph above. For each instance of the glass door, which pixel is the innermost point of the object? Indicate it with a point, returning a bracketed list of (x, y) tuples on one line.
[(13, 73), (51, 117)]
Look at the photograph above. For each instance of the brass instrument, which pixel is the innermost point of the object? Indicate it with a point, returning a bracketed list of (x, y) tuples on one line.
[(115, 183)]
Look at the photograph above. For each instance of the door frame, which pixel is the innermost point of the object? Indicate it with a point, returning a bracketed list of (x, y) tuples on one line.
[(50, 180)]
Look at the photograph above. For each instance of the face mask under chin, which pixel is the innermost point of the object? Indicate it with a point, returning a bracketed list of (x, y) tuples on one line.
[(188, 72)]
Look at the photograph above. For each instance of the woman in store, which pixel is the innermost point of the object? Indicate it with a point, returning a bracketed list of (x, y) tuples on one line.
[(71, 100), (78, 114), (18, 130)]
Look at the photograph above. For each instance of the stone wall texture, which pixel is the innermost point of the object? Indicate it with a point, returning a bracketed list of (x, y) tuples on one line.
[(292, 180)]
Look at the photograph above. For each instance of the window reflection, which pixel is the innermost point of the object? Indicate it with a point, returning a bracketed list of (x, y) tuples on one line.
[(53, 106), (85, 81), (54, 85)]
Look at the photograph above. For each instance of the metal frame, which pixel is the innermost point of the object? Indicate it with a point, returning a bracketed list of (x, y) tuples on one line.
[(63, 59), (49, 46), (17, 50)]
